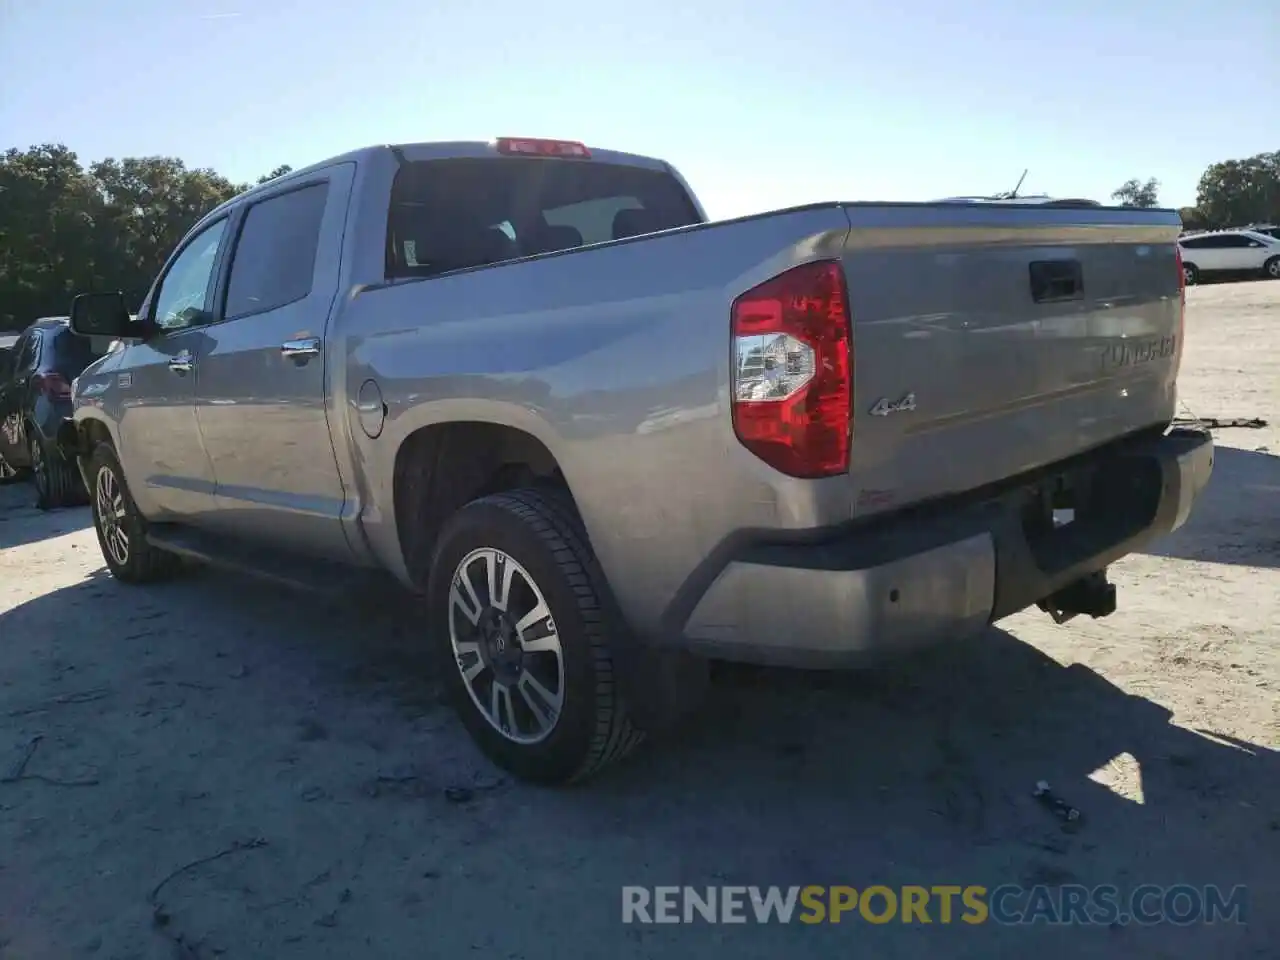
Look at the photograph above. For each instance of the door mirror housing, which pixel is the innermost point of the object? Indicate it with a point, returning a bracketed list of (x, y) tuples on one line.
[(104, 315)]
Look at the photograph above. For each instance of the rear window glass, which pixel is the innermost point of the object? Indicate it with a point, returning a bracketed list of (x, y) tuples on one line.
[(453, 214)]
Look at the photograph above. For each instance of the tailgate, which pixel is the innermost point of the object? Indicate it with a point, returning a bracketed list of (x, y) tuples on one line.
[(990, 340)]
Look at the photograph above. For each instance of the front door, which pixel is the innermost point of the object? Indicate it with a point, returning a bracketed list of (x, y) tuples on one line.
[(262, 389), (169, 472)]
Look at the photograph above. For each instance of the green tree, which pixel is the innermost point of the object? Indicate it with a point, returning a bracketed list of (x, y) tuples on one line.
[(1135, 193), (1237, 192), (1193, 218), (50, 211), (150, 202), (65, 229), (279, 171)]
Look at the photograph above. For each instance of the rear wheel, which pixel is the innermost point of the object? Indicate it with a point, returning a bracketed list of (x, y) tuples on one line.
[(1272, 268), (56, 480), (1190, 274), (121, 529), (521, 635)]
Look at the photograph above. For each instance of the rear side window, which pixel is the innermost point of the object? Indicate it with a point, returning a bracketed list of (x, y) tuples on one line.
[(26, 350), (72, 353), (454, 214), (275, 256)]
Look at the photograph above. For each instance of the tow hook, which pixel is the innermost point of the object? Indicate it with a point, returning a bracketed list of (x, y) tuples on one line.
[(1092, 595)]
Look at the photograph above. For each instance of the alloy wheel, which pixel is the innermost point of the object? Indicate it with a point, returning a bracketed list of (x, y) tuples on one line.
[(108, 503), (506, 646)]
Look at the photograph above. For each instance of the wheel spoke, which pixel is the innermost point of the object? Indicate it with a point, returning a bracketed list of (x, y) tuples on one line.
[(500, 574), (500, 708), (544, 704), (119, 545), (539, 612), (547, 640), (470, 604), (474, 665)]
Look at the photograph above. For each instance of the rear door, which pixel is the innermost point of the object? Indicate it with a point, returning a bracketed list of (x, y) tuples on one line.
[(262, 394)]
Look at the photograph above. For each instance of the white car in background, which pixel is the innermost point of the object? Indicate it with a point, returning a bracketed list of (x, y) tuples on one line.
[(1241, 251)]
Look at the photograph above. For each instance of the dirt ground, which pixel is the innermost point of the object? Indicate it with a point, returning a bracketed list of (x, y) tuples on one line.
[(306, 744)]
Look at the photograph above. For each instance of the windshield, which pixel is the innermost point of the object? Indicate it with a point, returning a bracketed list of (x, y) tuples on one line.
[(453, 214)]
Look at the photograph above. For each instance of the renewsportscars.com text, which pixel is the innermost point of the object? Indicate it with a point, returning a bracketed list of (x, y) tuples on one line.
[(1070, 904)]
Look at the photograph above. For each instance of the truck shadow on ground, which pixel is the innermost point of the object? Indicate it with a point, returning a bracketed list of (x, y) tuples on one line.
[(916, 773), (22, 523), (1225, 525)]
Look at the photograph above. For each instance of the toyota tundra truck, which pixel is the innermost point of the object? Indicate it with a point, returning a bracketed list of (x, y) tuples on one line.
[(604, 440)]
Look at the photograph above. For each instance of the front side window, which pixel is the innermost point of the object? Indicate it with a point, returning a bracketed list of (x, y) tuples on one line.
[(186, 292), (275, 257)]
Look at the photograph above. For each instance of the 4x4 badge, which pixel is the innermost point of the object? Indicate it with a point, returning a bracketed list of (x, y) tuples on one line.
[(884, 406)]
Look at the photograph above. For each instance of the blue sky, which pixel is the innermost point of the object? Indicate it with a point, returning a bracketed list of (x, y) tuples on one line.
[(759, 103)]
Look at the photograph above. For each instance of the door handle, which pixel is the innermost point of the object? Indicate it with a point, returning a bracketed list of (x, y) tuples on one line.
[(181, 363), (300, 351)]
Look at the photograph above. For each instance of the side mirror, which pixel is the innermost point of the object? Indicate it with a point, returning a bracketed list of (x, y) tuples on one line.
[(104, 315)]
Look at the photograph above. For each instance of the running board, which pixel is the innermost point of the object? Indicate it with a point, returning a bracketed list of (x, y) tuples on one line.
[(287, 569)]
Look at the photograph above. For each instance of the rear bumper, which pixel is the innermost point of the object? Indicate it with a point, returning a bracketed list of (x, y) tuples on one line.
[(946, 571)]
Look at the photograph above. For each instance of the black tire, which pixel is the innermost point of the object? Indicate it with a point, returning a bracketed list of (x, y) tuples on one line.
[(141, 563), (1271, 269), (56, 479), (1191, 273), (540, 530)]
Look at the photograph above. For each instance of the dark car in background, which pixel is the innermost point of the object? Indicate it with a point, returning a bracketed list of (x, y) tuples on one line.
[(35, 398)]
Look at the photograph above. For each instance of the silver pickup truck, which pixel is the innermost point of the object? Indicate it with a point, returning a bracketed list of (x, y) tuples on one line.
[(606, 440)]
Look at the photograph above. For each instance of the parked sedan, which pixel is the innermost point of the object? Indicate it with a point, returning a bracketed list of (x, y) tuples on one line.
[(35, 399)]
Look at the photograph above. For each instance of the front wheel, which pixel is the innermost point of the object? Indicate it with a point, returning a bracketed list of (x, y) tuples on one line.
[(1272, 268), (520, 631), (121, 529)]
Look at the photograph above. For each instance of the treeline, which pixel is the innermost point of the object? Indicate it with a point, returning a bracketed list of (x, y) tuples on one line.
[(1233, 193), (66, 228)]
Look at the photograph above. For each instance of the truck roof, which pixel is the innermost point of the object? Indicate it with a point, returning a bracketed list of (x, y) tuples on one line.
[(438, 150)]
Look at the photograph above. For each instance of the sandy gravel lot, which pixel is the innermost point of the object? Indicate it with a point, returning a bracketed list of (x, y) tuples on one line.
[(306, 744)]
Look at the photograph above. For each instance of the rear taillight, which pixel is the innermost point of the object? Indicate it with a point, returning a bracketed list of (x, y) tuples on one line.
[(1182, 309), (52, 385), (792, 371)]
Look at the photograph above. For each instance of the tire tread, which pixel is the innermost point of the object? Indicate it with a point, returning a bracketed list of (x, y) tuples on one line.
[(554, 521)]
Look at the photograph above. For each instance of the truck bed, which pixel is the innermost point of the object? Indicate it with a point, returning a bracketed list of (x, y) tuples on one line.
[(617, 357)]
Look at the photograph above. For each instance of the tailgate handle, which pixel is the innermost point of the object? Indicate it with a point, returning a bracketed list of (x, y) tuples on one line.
[(1053, 281)]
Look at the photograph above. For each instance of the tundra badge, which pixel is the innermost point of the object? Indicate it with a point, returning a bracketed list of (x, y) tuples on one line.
[(884, 406)]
